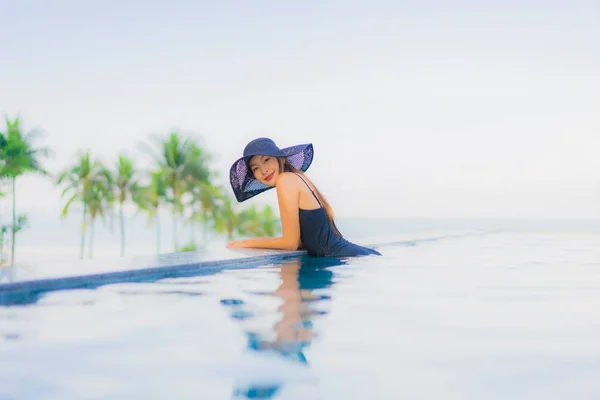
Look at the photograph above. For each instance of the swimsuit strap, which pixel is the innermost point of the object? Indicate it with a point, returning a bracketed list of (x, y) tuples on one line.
[(309, 188)]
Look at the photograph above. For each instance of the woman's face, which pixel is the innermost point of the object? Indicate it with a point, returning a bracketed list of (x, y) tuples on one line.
[(265, 169)]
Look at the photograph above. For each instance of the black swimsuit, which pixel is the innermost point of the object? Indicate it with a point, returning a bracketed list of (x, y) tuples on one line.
[(319, 238)]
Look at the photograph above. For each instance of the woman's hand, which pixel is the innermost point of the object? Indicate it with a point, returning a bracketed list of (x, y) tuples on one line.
[(236, 244)]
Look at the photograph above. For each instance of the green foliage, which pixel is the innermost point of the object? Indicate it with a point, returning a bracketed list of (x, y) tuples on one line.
[(189, 247), (181, 180), (18, 156), (18, 153), (90, 183), (22, 222), (149, 197)]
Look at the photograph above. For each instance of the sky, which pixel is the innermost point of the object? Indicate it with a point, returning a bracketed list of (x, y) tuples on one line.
[(415, 109)]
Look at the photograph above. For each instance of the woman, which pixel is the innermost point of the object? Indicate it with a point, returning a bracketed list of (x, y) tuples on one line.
[(306, 217)]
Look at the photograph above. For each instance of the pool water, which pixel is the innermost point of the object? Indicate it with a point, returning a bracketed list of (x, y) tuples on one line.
[(488, 316)]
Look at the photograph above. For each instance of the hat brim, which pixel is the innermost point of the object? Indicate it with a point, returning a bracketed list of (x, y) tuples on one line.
[(245, 185)]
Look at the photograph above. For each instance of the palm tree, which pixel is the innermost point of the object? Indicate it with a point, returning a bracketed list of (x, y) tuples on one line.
[(205, 204), (4, 228), (196, 169), (270, 225), (176, 158), (204, 196), (3, 155), (79, 180), (150, 198), (19, 156), (257, 222), (3, 231), (227, 220), (126, 183), (100, 198), (248, 222)]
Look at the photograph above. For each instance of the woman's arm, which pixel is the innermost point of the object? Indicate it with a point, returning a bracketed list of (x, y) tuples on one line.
[(287, 196)]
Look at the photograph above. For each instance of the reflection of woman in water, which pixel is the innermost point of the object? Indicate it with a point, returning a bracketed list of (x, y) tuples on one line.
[(300, 279)]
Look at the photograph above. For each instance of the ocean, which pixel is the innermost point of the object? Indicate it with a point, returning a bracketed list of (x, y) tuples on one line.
[(500, 311), (51, 238)]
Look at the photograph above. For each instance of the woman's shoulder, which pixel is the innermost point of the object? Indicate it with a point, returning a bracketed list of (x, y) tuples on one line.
[(287, 179)]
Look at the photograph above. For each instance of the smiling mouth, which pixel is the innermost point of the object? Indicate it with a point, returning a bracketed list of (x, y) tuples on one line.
[(268, 177)]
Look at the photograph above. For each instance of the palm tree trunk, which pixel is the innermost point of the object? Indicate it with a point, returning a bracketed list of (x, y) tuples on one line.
[(175, 245), (174, 215), (122, 220), (1, 242), (14, 221), (206, 231), (82, 248), (229, 231), (157, 222), (193, 231), (91, 237), (1, 246)]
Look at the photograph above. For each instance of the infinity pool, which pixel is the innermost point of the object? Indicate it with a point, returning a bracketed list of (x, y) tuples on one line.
[(490, 316)]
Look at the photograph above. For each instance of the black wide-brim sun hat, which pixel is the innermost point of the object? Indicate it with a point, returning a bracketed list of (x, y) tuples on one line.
[(242, 180)]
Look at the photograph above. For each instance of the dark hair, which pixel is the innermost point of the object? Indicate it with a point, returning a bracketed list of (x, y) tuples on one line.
[(286, 166)]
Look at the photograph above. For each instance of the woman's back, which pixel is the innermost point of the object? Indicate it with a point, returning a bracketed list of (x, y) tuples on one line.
[(308, 198), (318, 234)]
